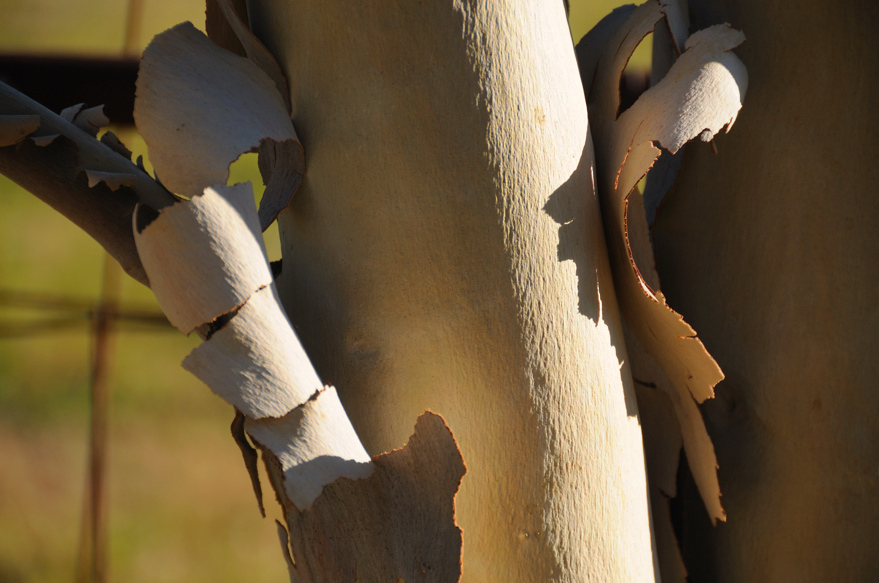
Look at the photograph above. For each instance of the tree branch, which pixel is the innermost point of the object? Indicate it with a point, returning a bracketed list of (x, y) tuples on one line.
[(56, 173)]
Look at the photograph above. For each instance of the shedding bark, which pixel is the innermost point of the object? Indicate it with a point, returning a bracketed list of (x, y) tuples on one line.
[(450, 267), (445, 252), (396, 525), (396, 519), (701, 93)]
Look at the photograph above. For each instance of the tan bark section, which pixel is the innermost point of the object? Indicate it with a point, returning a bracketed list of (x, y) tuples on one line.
[(396, 525), (445, 252), (701, 93), (770, 248)]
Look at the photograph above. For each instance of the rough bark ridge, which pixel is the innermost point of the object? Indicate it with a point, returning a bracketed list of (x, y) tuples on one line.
[(445, 252)]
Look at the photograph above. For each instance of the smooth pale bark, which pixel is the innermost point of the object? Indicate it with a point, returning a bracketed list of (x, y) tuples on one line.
[(770, 249), (445, 252)]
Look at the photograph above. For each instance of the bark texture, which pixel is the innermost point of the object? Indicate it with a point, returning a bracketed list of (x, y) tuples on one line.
[(770, 250), (445, 252)]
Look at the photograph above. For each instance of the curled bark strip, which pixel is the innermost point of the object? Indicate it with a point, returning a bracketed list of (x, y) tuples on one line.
[(206, 256), (199, 107), (701, 93), (14, 128), (703, 90), (396, 525), (207, 263), (218, 28), (113, 142), (91, 120), (678, 22), (663, 436), (69, 113)]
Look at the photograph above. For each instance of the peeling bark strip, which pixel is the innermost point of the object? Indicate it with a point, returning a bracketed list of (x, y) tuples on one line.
[(207, 263), (701, 93), (234, 12), (398, 524), (199, 107), (312, 445)]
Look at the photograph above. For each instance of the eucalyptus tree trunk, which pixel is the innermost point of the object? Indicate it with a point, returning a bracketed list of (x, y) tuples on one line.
[(445, 252), (771, 250)]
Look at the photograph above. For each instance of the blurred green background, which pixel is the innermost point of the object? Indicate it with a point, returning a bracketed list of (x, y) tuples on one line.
[(181, 505)]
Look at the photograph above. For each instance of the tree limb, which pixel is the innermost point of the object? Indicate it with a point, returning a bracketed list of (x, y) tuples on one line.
[(59, 173)]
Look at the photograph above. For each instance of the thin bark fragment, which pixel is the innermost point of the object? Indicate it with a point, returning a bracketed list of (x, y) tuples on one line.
[(282, 169), (218, 29), (250, 456), (234, 12)]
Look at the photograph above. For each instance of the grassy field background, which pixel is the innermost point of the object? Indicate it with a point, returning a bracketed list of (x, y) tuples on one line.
[(181, 506)]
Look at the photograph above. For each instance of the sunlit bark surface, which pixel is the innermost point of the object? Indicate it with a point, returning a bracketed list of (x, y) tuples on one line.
[(445, 252)]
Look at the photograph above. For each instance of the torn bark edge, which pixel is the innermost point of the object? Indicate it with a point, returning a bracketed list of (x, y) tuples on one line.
[(362, 529), (284, 539), (309, 447), (282, 166), (53, 175)]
